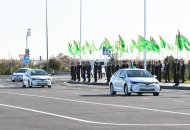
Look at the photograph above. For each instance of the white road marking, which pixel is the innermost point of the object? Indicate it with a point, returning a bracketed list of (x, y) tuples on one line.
[(178, 101), (146, 98), (103, 104), (87, 121)]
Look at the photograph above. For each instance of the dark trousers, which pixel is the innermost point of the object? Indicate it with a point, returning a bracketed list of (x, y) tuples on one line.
[(84, 77), (99, 75), (176, 79), (183, 77), (74, 77), (78, 76), (88, 76), (95, 77), (167, 77)]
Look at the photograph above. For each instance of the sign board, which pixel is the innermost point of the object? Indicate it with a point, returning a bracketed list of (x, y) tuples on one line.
[(106, 51), (26, 60)]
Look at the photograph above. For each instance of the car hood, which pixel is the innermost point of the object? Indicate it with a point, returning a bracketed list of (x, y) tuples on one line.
[(41, 77), (143, 80)]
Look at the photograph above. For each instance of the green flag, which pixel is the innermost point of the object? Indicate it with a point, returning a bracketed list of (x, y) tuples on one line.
[(133, 45), (155, 46), (76, 48), (87, 45), (70, 48), (122, 44), (162, 42), (182, 42), (107, 44), (143, 43)]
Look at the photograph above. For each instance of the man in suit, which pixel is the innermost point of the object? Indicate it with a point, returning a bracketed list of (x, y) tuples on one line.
[(95, 71), (167, 72), (78, 70), (84, 72), (99, 71), (88, 71), (183, 72), (176, 68)]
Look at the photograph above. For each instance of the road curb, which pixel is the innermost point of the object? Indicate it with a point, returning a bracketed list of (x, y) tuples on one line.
[(106, 84)]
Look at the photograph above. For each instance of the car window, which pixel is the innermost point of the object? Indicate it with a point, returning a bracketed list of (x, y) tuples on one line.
[(123, 73), (38, 72), (117, 73), (138, 73), (21, 71)]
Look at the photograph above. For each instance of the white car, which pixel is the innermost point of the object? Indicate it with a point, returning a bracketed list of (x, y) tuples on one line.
[(18, 74), (36, 77), (134, 81)]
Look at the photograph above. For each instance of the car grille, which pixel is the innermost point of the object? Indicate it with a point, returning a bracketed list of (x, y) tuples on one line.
[(146, 89)]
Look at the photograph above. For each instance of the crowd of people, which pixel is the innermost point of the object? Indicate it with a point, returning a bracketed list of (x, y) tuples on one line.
[(155, 68)]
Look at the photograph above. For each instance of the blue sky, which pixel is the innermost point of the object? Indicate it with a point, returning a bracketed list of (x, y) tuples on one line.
[(100, 19)]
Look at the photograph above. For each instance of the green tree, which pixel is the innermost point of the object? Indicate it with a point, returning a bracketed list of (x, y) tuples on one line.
[(54, 64)]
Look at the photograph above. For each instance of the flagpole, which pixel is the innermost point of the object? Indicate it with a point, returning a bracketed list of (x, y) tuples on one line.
[(80, 27), (145, 33)]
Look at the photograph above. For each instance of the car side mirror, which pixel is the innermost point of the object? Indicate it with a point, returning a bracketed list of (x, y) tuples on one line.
[(122, 77), (49, 74), (154, 76)]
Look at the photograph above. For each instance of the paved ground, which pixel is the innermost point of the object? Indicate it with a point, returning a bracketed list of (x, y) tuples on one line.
[(89, 107)]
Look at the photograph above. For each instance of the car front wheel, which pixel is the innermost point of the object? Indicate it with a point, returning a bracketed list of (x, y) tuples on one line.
[(126, 90), (155, 94)]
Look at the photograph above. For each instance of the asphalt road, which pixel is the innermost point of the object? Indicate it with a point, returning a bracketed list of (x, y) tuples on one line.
[(82, 107)]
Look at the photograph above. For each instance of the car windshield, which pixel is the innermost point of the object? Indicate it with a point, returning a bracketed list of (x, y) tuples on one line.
[(21, 71), (38, 72), (138, 73)]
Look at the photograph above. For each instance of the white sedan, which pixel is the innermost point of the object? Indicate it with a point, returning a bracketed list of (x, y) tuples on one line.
[(18, 74), (134, 81), (36, 77)]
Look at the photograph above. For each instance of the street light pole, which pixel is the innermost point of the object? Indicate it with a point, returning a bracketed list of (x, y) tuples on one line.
[(80, 27), (47, 38), (27, 35), (145, 33)]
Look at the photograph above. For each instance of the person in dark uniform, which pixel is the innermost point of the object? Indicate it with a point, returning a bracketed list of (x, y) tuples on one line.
[(160, 71), (126, 64), (123, 65), (78, 70), (99, 71), (117, 67), (135, 64), (84, 72), (183, 72), (157, 70), (176, 68), (153, 68), (167, 72), (88, 71), (74, 71), (112, 68), (108, 72), (95, 71), (141, 65), (149, 66)]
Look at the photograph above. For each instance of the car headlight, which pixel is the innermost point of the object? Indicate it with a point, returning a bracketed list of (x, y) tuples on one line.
[(134, 82)]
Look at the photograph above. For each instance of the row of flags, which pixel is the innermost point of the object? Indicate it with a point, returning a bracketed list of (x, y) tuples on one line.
[(121, 47)]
